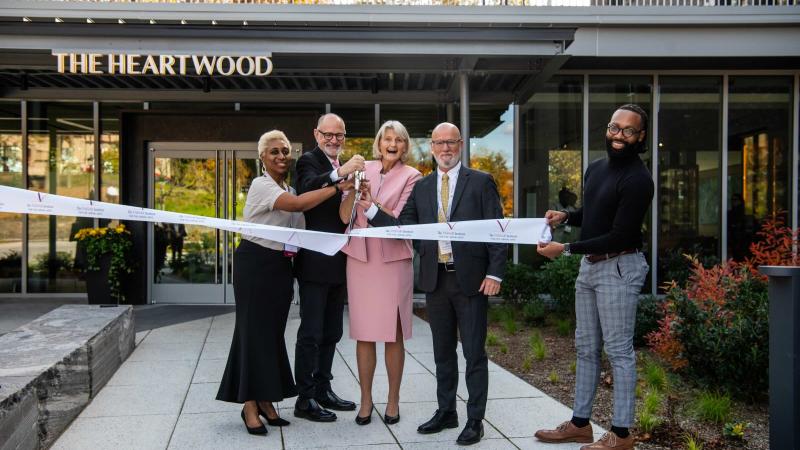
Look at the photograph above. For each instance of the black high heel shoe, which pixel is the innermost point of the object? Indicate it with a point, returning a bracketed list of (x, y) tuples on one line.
[(262, 430), (391, 420), (277, 422), (364, 420)]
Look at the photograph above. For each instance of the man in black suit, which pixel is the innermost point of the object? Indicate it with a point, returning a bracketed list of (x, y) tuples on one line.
[(321, 277), (457, 277)]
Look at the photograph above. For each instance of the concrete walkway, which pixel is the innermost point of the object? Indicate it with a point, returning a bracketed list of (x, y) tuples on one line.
[(163, 397)]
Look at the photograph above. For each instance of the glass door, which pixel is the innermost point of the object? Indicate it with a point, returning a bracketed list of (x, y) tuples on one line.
[(190, 263)]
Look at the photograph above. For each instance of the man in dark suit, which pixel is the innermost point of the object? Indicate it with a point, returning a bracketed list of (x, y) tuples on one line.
[(321, 277), (457, 277)]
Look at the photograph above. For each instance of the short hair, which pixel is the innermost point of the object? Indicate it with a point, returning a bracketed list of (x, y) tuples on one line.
[(398, 128), (271, 136), (638, 110), (325, 116)]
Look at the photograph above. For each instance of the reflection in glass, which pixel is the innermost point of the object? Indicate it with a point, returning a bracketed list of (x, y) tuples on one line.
[(360, 126), (61, 161), (550, 155), (11, 175), (689, 173), (606, 94), (109, 149), (185, 253), (492, 148), (759, 149)]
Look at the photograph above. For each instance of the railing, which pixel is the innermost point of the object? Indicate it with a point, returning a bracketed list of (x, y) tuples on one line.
[(492, 3)]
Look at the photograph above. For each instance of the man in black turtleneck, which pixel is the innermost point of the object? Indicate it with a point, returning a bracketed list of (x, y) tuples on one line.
[(617, 192)]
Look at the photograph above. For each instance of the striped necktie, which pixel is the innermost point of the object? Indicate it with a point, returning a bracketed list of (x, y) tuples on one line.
[(444, 199)]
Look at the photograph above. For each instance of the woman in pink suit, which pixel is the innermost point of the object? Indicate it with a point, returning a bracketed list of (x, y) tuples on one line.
[(380, 276)]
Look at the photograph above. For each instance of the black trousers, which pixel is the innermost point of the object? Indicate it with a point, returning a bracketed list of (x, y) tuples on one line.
[(452, 313), (321, 308)]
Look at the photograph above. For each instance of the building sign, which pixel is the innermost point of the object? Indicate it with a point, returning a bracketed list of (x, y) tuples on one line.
[(134, 64)]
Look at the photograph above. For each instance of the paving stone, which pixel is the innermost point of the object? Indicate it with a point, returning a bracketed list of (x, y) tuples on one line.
[(342, 433), (202, 399), (221, 430), (119, 401), (489, 444), (216, 350), (502, 384), (521, 417), (137, 373), (209, 371), (118, 433), (412, 415), (160, 351), (415, 387), (531, 443)]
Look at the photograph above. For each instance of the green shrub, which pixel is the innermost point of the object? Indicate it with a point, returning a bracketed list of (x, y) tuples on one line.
[(691, 443), (648, 313), (735, 430), (491, 339), (564, 327), (52, 264), (557, 278), (655, 377), (652, 402), (534, 311), (712, 407), (519, 284), (723, 340), (503, 348), (527, 364), (553, 377)]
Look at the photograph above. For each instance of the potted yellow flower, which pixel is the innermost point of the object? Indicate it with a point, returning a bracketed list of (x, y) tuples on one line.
[(107, 262)]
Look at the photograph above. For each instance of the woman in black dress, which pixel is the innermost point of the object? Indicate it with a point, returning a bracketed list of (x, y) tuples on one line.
[(258, 371)]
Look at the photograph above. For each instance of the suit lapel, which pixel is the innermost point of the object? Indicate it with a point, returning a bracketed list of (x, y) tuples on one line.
[(322, 158), (432, 194), (463, 177)]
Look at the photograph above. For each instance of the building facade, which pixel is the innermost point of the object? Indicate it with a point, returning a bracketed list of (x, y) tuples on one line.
[(160, 105)]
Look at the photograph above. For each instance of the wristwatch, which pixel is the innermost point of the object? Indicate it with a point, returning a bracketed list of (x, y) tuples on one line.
[(566, 251)]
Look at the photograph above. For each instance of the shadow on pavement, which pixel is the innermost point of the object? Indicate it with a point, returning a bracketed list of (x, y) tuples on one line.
[(149, 317)]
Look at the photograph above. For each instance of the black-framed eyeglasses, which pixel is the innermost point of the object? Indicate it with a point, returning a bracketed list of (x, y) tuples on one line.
[(447, 142), (329, 136), (627, 132)]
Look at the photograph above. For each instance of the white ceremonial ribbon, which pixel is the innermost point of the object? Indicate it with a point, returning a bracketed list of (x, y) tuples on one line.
[(499, 231)]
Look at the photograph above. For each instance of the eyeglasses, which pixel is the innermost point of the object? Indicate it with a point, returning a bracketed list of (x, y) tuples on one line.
[(627, 132), (329, 136), (448, 142)]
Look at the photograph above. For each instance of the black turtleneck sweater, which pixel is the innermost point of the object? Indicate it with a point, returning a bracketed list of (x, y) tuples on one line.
[(616, 195)]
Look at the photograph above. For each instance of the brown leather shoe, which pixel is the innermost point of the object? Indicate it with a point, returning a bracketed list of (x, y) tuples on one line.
[(566, 432), (611, 441)]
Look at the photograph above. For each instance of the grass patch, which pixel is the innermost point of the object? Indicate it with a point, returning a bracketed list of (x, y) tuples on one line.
[(503, 348), (563, 327), (654, 376), (691, 443), (713, 407), (553, 377), (652, 402), (647, 422), (510, 325), (491, 339), (573, 367), (527, 364)]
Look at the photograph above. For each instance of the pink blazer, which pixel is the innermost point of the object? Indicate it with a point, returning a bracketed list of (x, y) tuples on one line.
[(391, 190)]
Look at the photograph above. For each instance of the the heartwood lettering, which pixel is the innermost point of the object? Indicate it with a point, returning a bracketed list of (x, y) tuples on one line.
[(134, 64)]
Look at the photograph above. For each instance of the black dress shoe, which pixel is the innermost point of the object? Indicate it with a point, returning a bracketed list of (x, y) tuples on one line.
[(262, 430), (276, 422), (311, 410), (330, 400), (439, 421), (391, 420), (472, 433)]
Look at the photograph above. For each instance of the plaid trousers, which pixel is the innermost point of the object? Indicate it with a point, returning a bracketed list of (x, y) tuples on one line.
[(606, 295)]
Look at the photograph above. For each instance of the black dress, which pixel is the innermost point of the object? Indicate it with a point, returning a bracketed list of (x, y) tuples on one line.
[(258, 365)]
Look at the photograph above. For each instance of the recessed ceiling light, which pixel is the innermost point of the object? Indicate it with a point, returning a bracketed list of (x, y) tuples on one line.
[(152, 21), (244, 22), (121, 21), (213, 22), (89, 20), (183, 22), (25, 19), (58, 20)]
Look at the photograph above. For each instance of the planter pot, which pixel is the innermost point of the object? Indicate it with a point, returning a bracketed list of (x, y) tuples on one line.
[(97, 286)]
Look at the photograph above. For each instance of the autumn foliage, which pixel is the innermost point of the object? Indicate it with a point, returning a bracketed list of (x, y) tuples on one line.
[(715, 327)]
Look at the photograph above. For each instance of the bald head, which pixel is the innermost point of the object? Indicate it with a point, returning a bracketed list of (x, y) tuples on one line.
[(446, 145), (330, 134)]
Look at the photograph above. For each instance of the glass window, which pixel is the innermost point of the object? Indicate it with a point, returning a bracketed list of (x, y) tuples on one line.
[(550, 155), (492, 148), (109, 148), (689, 172), (606, 94), (759, 157), (11, 175), (359, 123), (60, 161)]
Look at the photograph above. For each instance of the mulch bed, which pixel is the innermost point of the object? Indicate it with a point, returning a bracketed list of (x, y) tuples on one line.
[(554, 375)]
